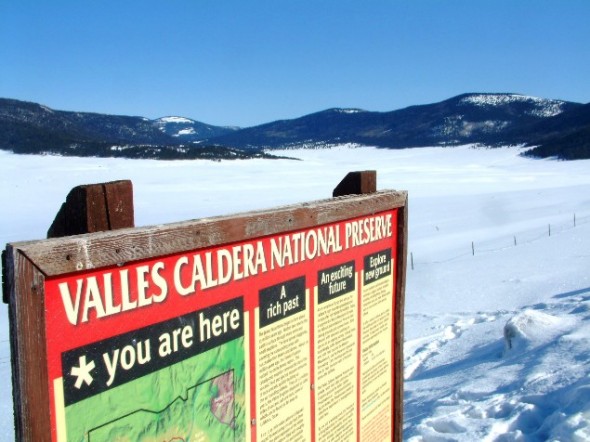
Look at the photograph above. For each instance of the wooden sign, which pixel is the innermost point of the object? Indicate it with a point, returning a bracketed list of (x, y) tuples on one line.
[(283, 324)]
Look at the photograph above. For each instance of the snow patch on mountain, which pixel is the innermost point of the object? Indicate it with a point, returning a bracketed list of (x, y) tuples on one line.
[(543, 107), (488, 126), (176, 120), (458, 126), (188, 131), (117, 148), (349, 111)]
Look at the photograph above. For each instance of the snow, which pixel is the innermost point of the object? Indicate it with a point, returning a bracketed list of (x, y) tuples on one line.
[(544, 107), (46, 109), (189, 131), (176, 120), (350, 111), (117, 148), (497, 323)]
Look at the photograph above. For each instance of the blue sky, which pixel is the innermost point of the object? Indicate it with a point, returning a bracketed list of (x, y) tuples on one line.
[(239, 62)]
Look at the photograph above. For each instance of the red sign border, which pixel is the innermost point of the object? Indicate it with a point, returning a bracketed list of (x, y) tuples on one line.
[(30, 263)]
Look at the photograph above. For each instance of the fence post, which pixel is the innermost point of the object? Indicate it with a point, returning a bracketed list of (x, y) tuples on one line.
[(357, 183), (549, 229), (412, 260), (95, 208), (472, 249)]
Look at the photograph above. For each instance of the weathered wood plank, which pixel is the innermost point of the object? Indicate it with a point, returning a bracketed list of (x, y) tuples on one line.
[(398, 339), (5, 290), (357, 183), (27, 264), (27, 324), (119, 204), (82, 252), (93, 208)]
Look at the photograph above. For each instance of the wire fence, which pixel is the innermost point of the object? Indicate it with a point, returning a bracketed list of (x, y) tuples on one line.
[(508, 241)]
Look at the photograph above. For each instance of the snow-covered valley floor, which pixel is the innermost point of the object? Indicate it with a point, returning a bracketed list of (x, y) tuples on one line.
[(497, 324)]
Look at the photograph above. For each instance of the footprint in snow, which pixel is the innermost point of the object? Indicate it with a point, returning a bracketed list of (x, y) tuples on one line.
[(414, 363)]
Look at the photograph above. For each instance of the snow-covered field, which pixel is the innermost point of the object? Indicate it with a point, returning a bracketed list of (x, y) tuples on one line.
[(497, 325)]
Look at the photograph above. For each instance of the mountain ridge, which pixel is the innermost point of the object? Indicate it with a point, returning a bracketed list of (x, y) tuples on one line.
[(466, 118), (27, 127), (555, 128)]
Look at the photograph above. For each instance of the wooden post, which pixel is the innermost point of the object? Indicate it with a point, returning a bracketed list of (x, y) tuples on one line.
[(95, 208), (361, 183), (4, 277), (398, 362), (357, 183), (47, 327)]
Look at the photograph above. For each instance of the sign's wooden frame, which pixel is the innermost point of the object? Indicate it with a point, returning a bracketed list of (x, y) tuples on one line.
[(28, 264)]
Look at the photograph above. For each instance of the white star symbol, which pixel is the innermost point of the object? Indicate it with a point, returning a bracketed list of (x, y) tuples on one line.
[(82, 372)]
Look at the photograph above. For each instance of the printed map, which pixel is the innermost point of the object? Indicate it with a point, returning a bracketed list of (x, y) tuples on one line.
[(200, 400)]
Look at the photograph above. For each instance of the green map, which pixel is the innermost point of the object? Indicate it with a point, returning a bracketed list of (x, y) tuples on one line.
[(200, 399)]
